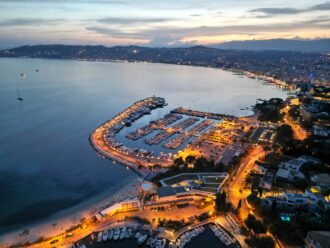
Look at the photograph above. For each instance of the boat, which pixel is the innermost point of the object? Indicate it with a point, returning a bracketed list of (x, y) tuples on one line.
[(116, 234), (142, 239), (110, 234), (19, 98), (105, 236), (128, 233), (122, 233), (137, 235), (158, 245), (153, 242), (149, 240), (93, 236), (99, 237)]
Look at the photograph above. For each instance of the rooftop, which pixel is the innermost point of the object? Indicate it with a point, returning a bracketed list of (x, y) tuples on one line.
[(322, 237)]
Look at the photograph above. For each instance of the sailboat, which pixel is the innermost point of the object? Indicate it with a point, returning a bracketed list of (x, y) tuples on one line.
[(19, 98)]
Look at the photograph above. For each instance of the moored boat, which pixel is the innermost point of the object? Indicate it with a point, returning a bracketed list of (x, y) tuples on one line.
[(99, 237), (122, 233), (110, 234), (142, 239), (105, 235), (137, 235), (116, 234)]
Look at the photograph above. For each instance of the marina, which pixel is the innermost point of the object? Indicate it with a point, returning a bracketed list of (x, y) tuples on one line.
[(154, 125), (194, 131), (179, 127), (136, 236), (104, 138)]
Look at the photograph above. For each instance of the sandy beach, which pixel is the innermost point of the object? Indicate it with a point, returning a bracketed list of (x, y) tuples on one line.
[(72, 216)]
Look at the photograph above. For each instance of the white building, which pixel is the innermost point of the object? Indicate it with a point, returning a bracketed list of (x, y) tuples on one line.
[(291, 170), (290, 201), (321, 180), (317, 239)]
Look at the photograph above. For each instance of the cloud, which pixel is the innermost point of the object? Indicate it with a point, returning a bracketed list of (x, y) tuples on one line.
[(288, 11), (124, 21), (30, 22), (117, 33), (277, 11), (173, 35)]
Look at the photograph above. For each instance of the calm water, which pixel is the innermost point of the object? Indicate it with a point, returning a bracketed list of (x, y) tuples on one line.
[(46, 161)]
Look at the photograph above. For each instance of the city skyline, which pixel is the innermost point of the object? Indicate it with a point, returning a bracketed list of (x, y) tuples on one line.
[(110, 22)]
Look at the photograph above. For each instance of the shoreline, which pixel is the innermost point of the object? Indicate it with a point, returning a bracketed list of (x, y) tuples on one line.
[(69, 217), (100, 199), (248, 74)]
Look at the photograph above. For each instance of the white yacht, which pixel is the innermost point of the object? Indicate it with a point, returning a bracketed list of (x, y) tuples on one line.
[(137, 235), (116, 234), (99, 237), (142, 239), (161, 243), (105, 235), (127, 233), (110, 234), (122, 233)]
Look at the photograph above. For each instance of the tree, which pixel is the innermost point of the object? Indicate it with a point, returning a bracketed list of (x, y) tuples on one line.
[(274, 206), (250, 221), (54, 225), (220, 201), (201, 162), (190, 159), (255, 184), (284, 135), (261, 242), (239, 205), (266, 149), (257, 226), (178, 161)]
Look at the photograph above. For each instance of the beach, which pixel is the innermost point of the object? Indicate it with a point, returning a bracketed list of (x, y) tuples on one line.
[(72, 216)]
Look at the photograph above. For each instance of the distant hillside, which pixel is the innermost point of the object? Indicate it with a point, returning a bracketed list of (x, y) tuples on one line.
[(317, 45), (269, 62)]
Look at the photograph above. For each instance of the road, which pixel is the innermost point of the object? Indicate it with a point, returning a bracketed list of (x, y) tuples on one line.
[(110, 222), (298, 132), (235, 187)]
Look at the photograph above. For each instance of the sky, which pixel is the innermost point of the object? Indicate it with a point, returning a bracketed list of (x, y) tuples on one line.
[(159, 23)]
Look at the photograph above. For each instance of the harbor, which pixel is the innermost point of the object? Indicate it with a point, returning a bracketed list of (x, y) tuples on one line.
[(134, 235), (170, 134)]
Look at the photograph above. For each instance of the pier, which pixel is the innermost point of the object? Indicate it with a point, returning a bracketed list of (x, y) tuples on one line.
[(201, 114), (183, 137), (168, 132)]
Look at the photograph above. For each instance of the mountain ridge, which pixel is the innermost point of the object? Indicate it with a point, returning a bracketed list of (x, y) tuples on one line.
[(315, 45)]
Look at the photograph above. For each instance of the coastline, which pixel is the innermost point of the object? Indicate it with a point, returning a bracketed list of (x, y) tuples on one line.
[(75, 213), (71, 216), (248, 74)]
